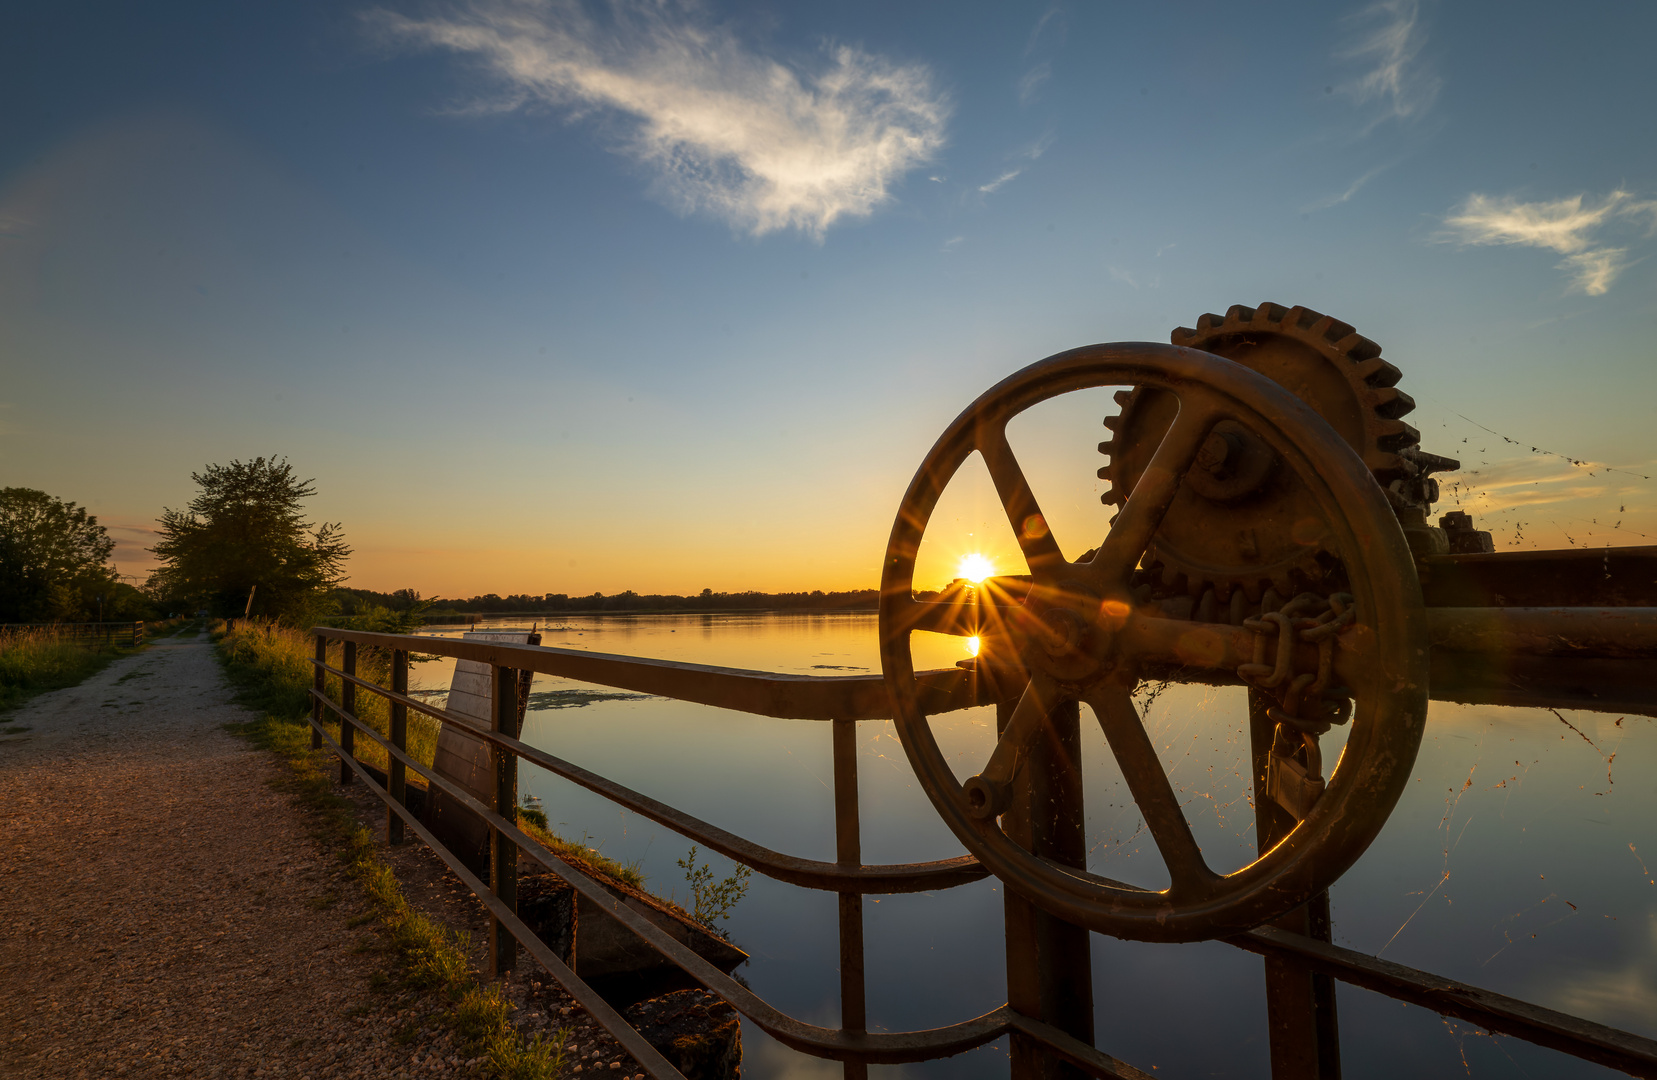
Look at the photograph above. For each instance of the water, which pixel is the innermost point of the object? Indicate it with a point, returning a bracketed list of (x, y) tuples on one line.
[(1521, 859)]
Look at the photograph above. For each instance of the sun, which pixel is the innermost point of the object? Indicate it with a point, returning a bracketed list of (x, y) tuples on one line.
[(975, 568)]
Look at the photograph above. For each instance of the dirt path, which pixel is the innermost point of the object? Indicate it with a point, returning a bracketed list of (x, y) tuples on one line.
[(163, 911)]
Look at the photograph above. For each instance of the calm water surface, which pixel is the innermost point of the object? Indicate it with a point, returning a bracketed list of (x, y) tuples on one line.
[(1521, 859)]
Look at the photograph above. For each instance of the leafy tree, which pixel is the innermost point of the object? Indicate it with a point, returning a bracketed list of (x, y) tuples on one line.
[(53, 558), (246, 531)]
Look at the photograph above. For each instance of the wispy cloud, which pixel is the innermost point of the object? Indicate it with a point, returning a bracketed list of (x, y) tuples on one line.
[(1573, 227), (727, 131), (1346, 196), (1029, 86), (999, 182), (1395, 84)]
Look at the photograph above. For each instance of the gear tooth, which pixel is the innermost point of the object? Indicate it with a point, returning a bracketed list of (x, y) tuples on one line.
[(1268, 314), (1208, 322), (1377, 372), (1122, 397), (1395, 435), (1104, 472), (1182, 336), (1107, 447), (1390, 402), (1112, 421), (1357, 346), (1284, 582), (1252, 590), (1239, 314), (1387, 467)]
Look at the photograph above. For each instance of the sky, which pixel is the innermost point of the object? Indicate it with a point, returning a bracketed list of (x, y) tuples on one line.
[(571, 296)]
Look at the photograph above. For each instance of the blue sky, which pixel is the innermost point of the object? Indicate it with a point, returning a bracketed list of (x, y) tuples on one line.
[(564, 297)]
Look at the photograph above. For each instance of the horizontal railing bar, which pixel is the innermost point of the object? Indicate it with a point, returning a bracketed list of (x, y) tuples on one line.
[(764, 693), (882, 879), (884, 1048), (589, 999), (1075, 1050), (1633, 1054)]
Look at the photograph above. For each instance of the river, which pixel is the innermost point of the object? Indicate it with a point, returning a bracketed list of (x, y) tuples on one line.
[(1521, 859)]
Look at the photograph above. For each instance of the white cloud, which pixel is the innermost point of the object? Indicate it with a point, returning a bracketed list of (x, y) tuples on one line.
[(728, 131), (999, 182), (1346, 196), (1569, 226), (1396, 84)]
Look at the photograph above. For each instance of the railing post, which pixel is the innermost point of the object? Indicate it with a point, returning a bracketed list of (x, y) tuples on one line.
[(396, 770), (503, 852), (1300, 1005), (848, 851), (319, 685), (348, 705), (1049, 961)]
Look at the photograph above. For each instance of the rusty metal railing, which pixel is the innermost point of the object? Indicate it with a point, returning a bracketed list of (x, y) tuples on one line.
[(842, 702)]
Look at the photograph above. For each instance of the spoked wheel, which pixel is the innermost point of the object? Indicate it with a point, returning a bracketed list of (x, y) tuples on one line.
[(1078, 636)]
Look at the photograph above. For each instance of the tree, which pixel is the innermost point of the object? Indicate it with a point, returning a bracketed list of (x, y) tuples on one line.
[(53, 558), (245, 531)]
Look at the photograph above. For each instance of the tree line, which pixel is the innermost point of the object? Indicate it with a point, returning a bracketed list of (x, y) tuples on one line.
[(407, 600), (244, 545)]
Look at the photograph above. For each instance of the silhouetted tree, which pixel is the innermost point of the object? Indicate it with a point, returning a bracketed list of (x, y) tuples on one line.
[(245, 530), (53, 558)]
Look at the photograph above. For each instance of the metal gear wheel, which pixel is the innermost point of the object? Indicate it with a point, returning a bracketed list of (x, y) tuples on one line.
[(1240, 522)]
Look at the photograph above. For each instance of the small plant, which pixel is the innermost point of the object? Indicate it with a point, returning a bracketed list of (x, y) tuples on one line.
[(531, 812), (712, 901)]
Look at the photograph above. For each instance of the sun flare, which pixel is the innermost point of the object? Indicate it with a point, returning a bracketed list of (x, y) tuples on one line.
[(975, 567)]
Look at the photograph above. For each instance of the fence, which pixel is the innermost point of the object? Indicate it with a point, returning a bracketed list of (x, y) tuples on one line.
[(128, 634), (1048, 1014)]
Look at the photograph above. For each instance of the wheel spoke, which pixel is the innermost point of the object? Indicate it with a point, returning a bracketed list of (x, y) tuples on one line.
[(1023, 727), (1029, 524), (1152, 494), (1149, 784)]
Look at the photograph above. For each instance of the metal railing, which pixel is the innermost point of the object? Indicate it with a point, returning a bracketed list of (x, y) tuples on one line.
[(1049, 1037)]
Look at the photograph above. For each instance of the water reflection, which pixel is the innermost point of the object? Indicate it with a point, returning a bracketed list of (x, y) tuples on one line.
[(1520, 859)]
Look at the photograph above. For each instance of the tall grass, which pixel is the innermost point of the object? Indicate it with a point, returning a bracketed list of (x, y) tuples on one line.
[(35, 661), (271, 664)]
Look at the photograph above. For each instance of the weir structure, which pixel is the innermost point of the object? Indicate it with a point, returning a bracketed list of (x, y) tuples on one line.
[(1272, 532)]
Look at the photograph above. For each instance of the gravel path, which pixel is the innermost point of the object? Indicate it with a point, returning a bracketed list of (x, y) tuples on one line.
[(164, 910)]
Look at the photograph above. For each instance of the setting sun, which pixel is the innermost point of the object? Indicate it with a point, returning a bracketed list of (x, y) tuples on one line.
[(975, 568)]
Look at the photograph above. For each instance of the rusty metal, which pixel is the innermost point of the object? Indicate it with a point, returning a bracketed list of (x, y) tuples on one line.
[(1431, 612), (503, 853), (397, 781), (848, 853), (1080, 638)]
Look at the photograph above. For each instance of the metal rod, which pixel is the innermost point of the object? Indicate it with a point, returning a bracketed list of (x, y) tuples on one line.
[(319, 686), (1049, 961), (1300, 1003), (848, 851), (348, 702), (886, 1047), (395, 771), (807, 873), (658, 1067), (503, 853)]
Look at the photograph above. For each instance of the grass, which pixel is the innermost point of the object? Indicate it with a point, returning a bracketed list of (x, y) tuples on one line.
[(33, 662), (270, 667)]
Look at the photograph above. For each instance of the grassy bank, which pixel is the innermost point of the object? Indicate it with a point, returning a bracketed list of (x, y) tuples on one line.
[(270, 667), (33, 662)]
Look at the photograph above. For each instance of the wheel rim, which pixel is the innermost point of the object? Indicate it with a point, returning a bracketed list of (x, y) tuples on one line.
[(1391, 705)]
